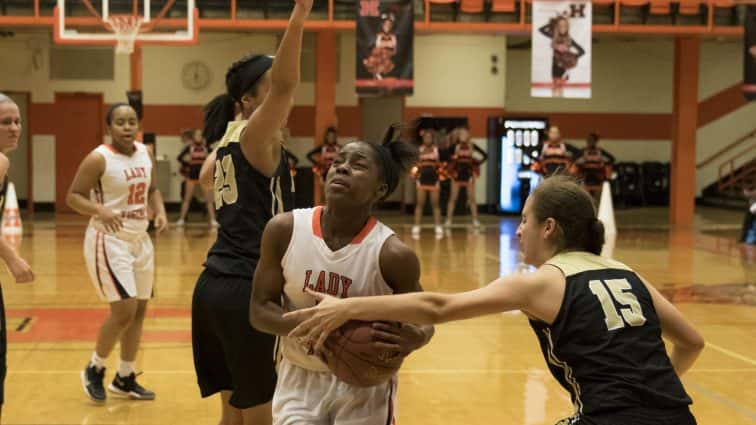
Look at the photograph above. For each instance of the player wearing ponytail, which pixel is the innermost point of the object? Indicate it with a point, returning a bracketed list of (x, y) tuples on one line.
[(599, 324), (249, 175), (340, 249)]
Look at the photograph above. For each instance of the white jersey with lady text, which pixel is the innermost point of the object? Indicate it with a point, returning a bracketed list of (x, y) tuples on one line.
[(124, 188), (352, 271)]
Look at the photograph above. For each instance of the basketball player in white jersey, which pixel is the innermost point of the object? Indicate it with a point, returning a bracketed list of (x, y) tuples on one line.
[(339, 249), (10, 133), (114, 185)]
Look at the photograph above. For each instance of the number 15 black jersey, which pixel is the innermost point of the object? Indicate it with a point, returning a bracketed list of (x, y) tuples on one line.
[(605, 346)]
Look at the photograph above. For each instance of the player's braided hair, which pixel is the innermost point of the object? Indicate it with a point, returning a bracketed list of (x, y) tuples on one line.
[(394, 156)]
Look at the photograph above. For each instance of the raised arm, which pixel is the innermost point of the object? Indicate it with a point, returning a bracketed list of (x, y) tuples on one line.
[(258, 143), (265, 310), (546, 30)]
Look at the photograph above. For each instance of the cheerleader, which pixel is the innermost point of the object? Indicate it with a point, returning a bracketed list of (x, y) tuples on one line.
[(464, 171), (427, 173), (191, 159), (593, 167), (322, 157), (566, 52), (556, 157), (380, 61)]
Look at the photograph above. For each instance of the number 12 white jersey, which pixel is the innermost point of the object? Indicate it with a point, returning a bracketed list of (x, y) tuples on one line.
[(124, 188)]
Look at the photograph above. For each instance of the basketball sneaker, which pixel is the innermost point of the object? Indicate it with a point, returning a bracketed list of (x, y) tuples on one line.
[(416, 232), (128, 387), (439, 232), (180, 223), (91, 380)]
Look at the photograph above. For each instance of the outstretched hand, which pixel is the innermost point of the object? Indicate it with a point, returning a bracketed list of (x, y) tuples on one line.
[(319, 321)]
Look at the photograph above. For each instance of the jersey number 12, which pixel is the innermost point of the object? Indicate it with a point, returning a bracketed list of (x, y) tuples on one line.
[(631, 310), (225, 182)]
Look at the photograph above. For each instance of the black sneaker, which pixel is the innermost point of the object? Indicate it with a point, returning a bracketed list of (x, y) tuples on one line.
[(91, 380), (128, 387)]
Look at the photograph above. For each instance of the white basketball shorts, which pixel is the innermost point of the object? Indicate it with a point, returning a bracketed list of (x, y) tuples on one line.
[(120, 269)]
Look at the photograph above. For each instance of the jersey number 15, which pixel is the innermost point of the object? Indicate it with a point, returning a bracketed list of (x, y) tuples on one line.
[(631, 310), (225, 182)]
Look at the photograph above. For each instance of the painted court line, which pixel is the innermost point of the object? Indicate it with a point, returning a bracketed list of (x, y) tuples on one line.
[(722, 399), (731, 353)]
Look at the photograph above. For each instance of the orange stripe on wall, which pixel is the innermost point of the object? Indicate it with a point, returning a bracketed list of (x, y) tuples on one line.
[(720, 104), (172, 119)]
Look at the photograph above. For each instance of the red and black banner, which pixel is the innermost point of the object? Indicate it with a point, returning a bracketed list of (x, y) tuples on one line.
[(749, 60), (385, 34)]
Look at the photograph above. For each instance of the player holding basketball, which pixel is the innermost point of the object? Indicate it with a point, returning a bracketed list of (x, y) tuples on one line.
[(252, 183), (344, 251), (10, 133), (114, 185), (600, 324)]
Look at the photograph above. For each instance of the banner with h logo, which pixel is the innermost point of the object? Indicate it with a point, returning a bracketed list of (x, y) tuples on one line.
[(561, 42), (749, 59), (385, 34)]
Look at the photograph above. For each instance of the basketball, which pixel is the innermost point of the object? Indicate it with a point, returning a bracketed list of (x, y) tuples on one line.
[(354, 360)]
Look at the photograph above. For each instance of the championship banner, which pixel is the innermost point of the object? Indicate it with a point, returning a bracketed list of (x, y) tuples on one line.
[(749, 60), (561, 59), (385, 34)]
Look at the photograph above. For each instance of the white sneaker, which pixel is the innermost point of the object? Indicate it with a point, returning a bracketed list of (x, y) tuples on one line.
[(476, 223), (448, 223), (415, 232), (439, 232), (180, 223), (214, 224)]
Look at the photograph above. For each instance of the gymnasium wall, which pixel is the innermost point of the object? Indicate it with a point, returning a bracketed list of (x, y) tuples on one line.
[(632, 100), (631, 105)]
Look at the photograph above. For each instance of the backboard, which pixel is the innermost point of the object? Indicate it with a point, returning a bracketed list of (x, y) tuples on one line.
[(125, 23)]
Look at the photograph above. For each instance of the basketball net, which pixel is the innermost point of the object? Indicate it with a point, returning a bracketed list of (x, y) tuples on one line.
[(126, 28)]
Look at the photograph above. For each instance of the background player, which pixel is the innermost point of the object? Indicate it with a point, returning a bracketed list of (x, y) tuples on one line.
[(10, 134), (252, 182), (357, 256), (114, 185), (599, 323)]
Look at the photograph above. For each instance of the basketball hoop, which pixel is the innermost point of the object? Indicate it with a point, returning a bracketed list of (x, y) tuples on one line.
[(126, 28)]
